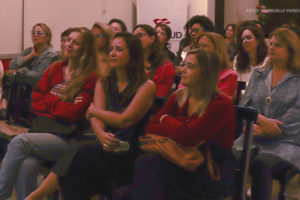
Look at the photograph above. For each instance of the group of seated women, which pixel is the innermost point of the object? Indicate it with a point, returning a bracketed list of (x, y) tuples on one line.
[(111, 80)]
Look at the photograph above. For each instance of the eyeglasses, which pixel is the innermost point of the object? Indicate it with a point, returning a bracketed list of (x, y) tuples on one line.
[(37, 33), (247, 37), (195, 30), (139, 35), (100, 35)]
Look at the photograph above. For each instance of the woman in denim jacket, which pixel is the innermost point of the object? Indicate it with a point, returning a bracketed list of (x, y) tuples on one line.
[(274, 91)]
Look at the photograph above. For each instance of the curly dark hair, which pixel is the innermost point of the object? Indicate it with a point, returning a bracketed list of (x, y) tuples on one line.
[(204, 21), (242, 62)]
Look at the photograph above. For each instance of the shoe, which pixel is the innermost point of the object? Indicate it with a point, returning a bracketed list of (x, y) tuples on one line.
[(3, 113)]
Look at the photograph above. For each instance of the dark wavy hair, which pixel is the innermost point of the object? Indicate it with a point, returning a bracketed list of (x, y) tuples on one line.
[(168, 31), (242, 62), (156, 57), (122, 24), (135, 69)]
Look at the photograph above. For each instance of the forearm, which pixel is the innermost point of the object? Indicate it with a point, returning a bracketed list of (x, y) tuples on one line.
[(110, 118)]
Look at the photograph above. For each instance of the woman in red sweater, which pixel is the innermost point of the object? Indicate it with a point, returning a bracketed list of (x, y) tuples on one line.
[(158, 68), (60, 101), (193, 114)]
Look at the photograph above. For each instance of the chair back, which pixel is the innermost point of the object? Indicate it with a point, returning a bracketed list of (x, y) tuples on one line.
[(241, 85), (249, 116)]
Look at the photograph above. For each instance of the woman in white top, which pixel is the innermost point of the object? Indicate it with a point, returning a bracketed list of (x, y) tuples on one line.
[(251, 53)]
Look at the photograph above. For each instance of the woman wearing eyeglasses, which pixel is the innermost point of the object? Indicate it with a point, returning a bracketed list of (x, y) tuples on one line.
[(159, 69), (33, 61), (251, 52), (103, 35)]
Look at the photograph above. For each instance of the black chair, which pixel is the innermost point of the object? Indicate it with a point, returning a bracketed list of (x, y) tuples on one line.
[(249, 117), (19, 100), (241, 85)]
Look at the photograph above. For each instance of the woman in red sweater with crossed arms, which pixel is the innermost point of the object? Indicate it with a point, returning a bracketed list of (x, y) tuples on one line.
[(193, 114), (60, 101)]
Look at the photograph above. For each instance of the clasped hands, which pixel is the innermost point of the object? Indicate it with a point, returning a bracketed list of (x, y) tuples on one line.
[(266, 127)]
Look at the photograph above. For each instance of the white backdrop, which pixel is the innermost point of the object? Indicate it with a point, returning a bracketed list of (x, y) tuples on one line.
[(172, 12)]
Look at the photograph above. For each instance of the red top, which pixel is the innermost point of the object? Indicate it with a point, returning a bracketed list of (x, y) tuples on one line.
[(216, 125), (163, 79), (46, 104), (228, 82)]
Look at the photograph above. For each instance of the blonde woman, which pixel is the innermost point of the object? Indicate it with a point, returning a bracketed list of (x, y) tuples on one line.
[(60, 102), (192, 115), (274, 91)]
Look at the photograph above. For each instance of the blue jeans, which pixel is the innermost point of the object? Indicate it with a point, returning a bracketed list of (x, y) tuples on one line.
[(25, 154)]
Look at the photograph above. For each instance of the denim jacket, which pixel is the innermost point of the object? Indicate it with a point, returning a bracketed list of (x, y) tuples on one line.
[(282, 102), (37, 66)]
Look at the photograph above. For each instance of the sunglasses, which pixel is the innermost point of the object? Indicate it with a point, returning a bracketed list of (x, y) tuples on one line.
[(100, 35), (37, 33)]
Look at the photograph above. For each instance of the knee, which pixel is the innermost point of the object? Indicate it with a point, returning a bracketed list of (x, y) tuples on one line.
[(18, 140), (30, 165)]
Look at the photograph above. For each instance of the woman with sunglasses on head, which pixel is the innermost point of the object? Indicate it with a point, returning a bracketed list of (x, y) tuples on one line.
[(118, 115), (103, 34), (194, 114), (274, 91), (251, 52), (33, 61), (60, 102), (159, 69)]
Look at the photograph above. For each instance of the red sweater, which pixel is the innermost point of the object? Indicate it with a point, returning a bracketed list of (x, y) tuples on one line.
[(228, 82), (46, 104), (216, 125), (163, 79)]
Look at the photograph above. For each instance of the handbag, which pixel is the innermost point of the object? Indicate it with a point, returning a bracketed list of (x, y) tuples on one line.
[(187, 157), (43, 124)]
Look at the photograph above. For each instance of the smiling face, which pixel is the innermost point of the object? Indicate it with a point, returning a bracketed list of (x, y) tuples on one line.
[(144, 37), (119, 54), (277, 51), (73, 46), (249, 41), (38, 36), (191, 72)]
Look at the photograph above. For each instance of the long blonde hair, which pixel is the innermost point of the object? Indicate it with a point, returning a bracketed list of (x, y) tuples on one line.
[(210, 66), (86, 65)]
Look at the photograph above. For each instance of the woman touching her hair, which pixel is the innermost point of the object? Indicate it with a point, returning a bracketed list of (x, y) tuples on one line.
[(118, 115)]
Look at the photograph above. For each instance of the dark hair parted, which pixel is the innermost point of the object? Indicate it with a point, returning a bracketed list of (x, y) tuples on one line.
[(243, 62), (168, 32), (135, 69), (156, 57), (122, 24)]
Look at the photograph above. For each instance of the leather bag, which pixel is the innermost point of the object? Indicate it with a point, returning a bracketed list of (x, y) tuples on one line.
[(187, 157)]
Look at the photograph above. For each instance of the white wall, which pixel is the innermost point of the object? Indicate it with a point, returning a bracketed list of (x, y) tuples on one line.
[(236, 11)]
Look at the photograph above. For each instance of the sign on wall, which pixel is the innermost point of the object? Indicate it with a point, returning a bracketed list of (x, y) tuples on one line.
[(170, 12)]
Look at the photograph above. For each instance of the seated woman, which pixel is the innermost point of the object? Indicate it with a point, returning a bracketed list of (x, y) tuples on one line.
[(274, 91), (121, 103), (227, 78), (33, 61), (251, 52), (117, 25), (59, 101), (164, 33), (103, 34), (159, 69), (192, 115)]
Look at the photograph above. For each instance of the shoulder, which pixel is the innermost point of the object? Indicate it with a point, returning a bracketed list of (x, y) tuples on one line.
[(226, 73), (50, 52), (147, 86)]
